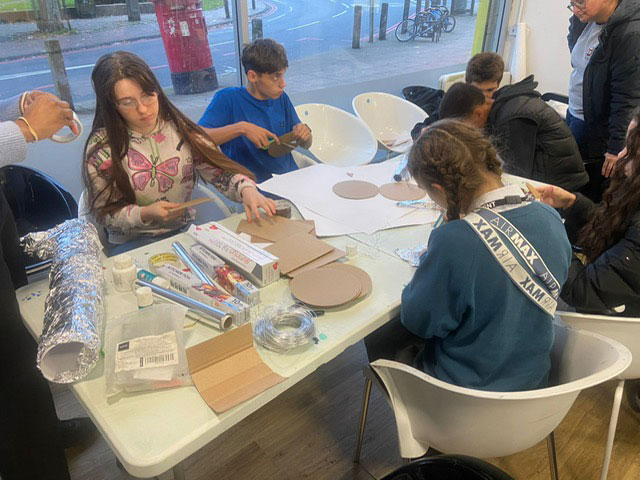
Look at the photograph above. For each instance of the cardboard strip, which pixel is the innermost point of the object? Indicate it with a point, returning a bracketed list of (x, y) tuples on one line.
[(273, 228), (191, 203), (325, 259), (298, 250)]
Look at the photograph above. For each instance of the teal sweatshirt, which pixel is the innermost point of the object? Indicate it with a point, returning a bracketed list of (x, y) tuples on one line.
[(481, 331)]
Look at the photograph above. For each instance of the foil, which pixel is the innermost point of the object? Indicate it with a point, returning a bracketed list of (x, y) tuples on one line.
[(74, 308), (411, 255)]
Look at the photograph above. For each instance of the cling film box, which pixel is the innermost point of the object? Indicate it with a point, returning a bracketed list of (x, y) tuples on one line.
[(256, 264)]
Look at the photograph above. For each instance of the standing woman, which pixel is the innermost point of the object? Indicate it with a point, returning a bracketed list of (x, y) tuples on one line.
[(479, 328), (609, 236), (604, 40), (143, 157)]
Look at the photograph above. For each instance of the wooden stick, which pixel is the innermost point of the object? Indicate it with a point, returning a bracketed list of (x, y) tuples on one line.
[(191, 203), (533, 191)]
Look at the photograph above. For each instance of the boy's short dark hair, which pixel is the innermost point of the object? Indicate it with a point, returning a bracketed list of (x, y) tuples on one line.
[(484, 67), (264, 56), (460, 101)]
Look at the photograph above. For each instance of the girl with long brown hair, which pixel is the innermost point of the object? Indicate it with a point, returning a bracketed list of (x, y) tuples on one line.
[(143, 157), (482, 327), (607, 277)]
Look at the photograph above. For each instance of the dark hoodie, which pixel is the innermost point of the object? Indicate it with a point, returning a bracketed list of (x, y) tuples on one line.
[(611, 86), (532, 138)]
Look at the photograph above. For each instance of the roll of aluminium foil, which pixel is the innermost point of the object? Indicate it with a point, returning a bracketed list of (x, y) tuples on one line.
[(74, 308)]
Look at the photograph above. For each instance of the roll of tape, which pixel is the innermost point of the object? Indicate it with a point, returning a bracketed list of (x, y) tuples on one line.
[(161, 259)]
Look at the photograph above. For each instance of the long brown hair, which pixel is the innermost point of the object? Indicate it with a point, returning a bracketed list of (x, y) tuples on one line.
[(453, 154), (118, 192), (620, 201)]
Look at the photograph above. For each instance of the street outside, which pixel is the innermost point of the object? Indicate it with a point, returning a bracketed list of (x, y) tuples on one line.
[(317, 35)]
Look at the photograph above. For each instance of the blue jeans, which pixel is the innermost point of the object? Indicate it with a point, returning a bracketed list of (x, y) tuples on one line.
[(579, 130)]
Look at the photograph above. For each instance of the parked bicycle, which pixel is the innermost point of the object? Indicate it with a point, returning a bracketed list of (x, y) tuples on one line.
[(448, 20), (425, 24)]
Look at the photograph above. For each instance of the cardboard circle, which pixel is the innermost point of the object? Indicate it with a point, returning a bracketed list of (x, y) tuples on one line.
[(401, 191), (355, 189), (325, 287), (362, 276)]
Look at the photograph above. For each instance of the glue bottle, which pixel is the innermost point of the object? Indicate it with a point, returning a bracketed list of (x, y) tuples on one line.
[(124, 273), (144, 296)]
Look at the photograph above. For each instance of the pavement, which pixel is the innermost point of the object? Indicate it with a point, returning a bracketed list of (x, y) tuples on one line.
[(23, 40)]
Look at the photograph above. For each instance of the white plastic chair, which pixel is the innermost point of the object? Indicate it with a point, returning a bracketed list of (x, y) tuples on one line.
[(302, 160), (452, 419), (389, 117), (625, 330), (339, 138)]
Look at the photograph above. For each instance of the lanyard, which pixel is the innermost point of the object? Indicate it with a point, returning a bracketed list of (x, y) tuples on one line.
[(518, 274)]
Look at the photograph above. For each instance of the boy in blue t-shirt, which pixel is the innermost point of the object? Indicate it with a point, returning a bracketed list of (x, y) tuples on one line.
[(244, 121)]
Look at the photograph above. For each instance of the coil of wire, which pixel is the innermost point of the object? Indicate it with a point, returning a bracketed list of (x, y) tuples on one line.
[(282, 329)]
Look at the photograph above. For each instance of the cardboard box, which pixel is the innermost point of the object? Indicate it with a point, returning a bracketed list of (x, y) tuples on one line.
[(179, 280), (259, 266), (228, 278), (227, 369)]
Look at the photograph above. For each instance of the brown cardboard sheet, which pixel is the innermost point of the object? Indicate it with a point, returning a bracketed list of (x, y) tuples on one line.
[(401, 191), (273, 228), (355, 189), (298, 250), (362, 276), (286, 145), (325, 287), (325, 259), (227, 369), (191, 203)]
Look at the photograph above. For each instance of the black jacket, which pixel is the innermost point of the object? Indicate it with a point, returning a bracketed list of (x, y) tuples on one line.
[(613, 279), (532, 138), (611, 86)]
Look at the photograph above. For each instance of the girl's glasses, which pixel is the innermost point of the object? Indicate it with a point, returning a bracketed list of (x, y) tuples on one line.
[(145, 99), (579, 5)]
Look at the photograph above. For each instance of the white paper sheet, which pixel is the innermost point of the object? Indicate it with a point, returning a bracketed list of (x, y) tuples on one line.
[(310, 189)]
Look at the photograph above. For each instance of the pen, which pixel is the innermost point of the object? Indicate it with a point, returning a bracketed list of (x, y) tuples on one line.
[(401, 170)]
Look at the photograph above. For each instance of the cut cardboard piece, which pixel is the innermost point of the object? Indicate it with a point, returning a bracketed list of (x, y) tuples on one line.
[(362, 276), (227, 369), (273, 228), (355, 189), (401, 191), (325, 287), (298, 250), (287, 144), (325, 259)]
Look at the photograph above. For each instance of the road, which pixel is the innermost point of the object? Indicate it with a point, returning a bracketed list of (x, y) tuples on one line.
[(304, 27)]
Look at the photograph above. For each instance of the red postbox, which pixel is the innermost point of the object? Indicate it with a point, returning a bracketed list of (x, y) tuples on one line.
[(184, 35)]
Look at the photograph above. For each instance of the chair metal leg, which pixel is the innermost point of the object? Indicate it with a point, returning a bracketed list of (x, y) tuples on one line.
[(551, 453), (613, 423), (363, 419)]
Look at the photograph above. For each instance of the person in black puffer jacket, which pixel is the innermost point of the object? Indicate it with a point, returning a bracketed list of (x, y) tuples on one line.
[(532, 138), (604, 40), (608, 235)]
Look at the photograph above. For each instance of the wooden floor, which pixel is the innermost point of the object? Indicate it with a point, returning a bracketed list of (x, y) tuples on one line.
[(309, 432)]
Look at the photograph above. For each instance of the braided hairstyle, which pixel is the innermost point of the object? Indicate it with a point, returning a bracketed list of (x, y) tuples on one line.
[(620, 201), (453, 154)]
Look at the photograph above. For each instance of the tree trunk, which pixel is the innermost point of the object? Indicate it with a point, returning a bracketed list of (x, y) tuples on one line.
[(49, 16)]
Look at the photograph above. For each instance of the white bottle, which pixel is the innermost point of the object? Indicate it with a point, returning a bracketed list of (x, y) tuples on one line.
[(124, 273), (144, 295)]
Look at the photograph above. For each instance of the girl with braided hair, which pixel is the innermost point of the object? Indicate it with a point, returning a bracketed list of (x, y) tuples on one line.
[(480, 329), (608, 235)]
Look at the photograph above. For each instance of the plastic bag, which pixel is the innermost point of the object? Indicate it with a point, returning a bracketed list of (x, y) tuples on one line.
[(144, 350)]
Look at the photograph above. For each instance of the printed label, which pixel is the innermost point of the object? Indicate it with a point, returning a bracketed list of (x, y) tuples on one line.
[(147, 352)]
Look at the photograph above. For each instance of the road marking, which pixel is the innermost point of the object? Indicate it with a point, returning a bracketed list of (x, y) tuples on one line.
[(275, 18), (345, 5), (227, 54), (338, 14), (39, 72), (309, 39), (222, 43), (305, 25), (281, 3), (159, 66)]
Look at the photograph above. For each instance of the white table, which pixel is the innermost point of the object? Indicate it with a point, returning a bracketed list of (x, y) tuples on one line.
[(153, 432)]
